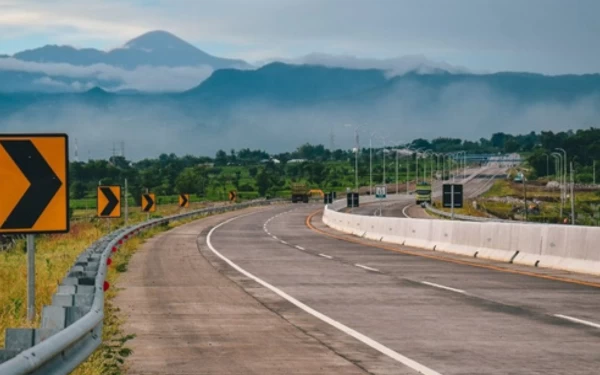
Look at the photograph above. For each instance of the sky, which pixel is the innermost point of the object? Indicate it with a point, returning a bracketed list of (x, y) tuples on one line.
[(545, 36)]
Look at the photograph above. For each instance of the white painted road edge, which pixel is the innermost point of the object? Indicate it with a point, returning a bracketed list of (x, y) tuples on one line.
[(326, 256), (300, 248), (367, 268), (443, 287), (580, 321), (334, 323)]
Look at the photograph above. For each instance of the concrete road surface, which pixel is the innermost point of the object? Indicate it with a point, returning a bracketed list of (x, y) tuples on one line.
[(191, 319), (427, 315), (259, 292)]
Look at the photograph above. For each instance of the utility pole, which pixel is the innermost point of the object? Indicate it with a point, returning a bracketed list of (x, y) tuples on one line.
[(572, 195)]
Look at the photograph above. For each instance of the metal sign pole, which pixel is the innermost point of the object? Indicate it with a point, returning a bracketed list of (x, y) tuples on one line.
[(30, 277), (452, 201)]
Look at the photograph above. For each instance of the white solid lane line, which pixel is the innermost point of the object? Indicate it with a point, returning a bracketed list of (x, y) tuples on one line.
[(443, 287), (300, 248), (334, 323), (580, 321), (326, 256), (404, 211), (367, 268)]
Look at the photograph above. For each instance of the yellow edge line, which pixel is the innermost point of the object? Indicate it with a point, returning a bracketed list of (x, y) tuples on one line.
[(449, 260)]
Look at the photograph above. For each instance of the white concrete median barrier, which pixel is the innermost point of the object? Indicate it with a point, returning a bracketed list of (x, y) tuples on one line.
[(563, 247)]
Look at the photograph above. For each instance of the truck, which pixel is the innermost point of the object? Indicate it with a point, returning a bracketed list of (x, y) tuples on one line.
[(299, 193), (423, 192)]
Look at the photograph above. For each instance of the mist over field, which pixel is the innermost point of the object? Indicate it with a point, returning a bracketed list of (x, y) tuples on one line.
[(150, 125)]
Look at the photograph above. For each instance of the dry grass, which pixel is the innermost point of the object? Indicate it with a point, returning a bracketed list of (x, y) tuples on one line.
[(55, 254)]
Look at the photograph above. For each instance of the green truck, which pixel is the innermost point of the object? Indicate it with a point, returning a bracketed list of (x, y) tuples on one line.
[(299, 193), (423, 192)]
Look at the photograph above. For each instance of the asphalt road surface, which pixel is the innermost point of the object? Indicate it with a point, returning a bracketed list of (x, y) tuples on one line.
[(404, 205), (262, 293)]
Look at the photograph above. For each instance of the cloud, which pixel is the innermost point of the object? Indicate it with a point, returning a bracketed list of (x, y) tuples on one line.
[(152, 125), (548, 36), (143, 78), (392, 66)]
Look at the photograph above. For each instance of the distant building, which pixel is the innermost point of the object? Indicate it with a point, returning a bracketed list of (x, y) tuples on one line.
[(209, 165), (297, 161)]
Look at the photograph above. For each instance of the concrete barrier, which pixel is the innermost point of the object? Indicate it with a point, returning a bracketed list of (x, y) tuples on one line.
[(564, 247)]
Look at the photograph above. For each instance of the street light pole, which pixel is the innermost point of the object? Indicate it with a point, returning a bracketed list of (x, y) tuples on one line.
[(559, 173), (572, 195), (564, 162), (383, 157), (397, 192), (371, 165)]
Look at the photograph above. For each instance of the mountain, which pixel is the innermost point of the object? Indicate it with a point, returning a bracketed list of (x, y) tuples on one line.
[(279, 106), (155, 48), (281, 82)]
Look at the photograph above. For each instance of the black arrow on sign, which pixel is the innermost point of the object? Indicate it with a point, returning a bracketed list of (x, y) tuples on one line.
[(184, 200), (150, 202), (113, 201), (44, 184)]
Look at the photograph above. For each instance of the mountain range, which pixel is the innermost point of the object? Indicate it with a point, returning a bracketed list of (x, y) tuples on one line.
[(171, 104)]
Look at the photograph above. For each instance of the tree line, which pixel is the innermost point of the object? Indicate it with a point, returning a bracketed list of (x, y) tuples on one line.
[(257, 171)]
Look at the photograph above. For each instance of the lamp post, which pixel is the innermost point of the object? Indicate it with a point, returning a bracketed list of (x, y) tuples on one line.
[(565, 161), (559, 172), (356, 154)]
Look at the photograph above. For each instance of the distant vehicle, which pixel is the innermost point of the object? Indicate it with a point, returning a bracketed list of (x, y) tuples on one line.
[(299, 193), (423, 192), (519, 177)]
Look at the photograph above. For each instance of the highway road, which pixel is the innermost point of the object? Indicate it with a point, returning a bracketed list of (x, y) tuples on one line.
[(404, 206), (259, 292)]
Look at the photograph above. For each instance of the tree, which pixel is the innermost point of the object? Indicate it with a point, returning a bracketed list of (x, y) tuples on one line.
[(78, 189), (221, 158), (252, 171), (236, 179), (263, 182), (498, 140)]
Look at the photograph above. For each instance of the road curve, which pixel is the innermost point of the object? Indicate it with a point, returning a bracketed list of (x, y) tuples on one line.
[(447, 316), (189, 318)]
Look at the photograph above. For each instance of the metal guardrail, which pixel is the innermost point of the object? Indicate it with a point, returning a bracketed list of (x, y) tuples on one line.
[(71, 328)]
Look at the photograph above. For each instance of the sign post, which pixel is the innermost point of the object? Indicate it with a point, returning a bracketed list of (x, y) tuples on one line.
[(148, 204), (452, 197), (184, 200), (381, 193), (34, 188), (232, 195), (30, 277)]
